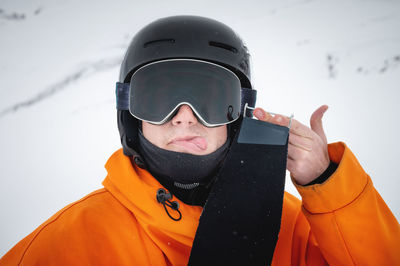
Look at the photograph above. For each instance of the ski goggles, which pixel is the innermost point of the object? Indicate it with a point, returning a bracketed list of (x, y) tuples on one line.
[(157, 90)]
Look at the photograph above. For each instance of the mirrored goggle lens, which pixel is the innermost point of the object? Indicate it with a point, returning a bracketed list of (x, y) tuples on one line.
[(158, 89)]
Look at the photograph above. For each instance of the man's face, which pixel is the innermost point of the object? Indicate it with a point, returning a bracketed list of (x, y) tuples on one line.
[(184, 133)]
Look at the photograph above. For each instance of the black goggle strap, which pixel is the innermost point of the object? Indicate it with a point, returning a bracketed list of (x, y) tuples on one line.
[(122, 95), (249, 96)]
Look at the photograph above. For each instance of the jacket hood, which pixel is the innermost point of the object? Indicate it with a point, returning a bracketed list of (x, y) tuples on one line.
[(136, 189)]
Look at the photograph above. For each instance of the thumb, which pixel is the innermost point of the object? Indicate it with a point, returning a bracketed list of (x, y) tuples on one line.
[(316, 121)]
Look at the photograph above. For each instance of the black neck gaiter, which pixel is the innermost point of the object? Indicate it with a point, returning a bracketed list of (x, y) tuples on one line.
[(181, 173)]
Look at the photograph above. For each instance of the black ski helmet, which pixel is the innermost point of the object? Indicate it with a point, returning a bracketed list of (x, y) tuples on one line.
[(188, 37)]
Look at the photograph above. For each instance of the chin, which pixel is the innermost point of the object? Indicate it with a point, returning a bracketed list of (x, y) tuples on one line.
[(193, 152)]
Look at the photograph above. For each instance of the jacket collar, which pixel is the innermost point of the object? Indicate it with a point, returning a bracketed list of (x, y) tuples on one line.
[(136, 189)]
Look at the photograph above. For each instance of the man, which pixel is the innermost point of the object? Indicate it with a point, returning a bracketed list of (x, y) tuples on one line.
[(198, 181)]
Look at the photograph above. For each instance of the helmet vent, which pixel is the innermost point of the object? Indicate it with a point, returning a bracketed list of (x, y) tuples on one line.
[(157, 42), (223, 46)]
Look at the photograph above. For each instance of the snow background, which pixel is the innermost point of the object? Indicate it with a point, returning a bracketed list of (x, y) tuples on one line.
[(59, 61)]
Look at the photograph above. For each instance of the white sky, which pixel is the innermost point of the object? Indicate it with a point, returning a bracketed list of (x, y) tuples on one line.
[(67, 53)]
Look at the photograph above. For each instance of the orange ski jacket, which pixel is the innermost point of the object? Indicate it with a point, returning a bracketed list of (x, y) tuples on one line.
[(343, 221)]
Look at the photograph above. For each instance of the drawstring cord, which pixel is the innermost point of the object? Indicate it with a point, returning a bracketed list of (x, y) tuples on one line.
[(164, 198)]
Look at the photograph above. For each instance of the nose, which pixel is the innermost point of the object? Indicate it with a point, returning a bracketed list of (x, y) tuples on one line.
[(184, 116)]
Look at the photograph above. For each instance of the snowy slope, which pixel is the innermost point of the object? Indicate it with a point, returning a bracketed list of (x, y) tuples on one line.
[(59, 63)]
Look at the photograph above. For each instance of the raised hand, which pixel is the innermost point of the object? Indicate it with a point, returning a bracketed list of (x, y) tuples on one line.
[(308, 154)]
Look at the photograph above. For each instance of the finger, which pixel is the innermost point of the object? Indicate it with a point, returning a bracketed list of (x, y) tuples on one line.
[(304, 143), (299, 129), (281, 120), (316, 121), (296, 153), (263, 115)]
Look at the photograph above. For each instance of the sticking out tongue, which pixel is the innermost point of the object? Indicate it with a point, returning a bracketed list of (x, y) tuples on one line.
[(199, 142), (195, 144)]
